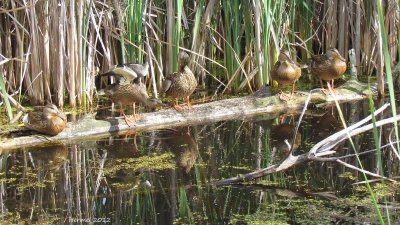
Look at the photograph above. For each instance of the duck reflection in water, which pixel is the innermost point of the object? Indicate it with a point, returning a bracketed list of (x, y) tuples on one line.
[(120, 150), (179, 141), (328, 123), (50, 158), (123, 146), (284, 140)]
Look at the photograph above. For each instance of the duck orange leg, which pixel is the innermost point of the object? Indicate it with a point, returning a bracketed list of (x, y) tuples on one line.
[(177, 107), (127, 121), (322, 87), (282, 96), (131, 119), (333, 88), (189, 106), (292, 94)]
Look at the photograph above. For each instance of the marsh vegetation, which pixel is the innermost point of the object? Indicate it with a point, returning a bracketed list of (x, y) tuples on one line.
[(52, 51)]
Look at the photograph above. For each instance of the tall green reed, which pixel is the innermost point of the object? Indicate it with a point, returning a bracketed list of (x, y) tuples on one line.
[(370, 191), (134, 23), (185, 213), (389, 77), (177, 34)]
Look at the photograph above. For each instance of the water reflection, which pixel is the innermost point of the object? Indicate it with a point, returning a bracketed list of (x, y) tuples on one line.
[(118, 150), (49, 158), (328, 123), (162, 177), (284, 139), (181, 143)]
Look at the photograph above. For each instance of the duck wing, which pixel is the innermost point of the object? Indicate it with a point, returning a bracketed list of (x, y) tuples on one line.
[(141, 70), (123, 73), (319, 60), (169, 79)]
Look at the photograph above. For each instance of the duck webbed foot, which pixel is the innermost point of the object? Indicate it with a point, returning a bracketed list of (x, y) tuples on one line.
[(176, 107), (326, 91), (130, 120), (285, 97)]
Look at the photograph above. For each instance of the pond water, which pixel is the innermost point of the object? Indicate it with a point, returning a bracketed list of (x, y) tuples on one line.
[(163, 176)]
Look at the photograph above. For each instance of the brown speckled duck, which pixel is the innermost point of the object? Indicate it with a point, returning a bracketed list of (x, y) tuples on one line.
[(285, 72), (46, 119), (180, 84), (328, 67), (130, 94), (129, 90)]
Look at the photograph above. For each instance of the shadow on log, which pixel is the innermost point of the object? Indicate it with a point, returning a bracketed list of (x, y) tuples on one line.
[(235, 108)]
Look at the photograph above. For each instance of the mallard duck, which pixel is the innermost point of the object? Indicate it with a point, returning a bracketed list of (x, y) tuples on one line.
[(127, 94), (328, 67), (180, 84), (285, 72), (129, 89), (46, 119)]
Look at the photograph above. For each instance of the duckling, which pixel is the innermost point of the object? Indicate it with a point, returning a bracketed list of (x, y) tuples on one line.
[(46, 119), (180, 84), (328, 67), (285, 72)]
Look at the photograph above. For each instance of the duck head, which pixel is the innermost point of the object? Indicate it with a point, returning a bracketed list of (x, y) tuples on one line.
[(333, 53)]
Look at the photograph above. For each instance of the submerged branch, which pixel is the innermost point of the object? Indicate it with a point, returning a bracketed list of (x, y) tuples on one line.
[(320, 149), (363, 171)]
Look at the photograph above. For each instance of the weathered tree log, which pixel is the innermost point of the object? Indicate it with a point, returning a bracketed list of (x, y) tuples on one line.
[(235, 108)]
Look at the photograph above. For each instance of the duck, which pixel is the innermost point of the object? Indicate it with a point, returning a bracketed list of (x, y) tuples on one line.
[(46, 119), (128, 89), (180, 84), (285, 72), (328, 67)]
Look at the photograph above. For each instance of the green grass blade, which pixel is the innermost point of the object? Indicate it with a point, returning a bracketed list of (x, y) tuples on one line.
[(5, 97), (371, 193)]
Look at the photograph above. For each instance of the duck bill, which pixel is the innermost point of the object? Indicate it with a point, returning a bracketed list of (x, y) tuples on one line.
[(63, 116)]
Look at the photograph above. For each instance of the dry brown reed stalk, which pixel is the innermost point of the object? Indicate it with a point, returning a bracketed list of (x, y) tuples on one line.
[(60, 44)]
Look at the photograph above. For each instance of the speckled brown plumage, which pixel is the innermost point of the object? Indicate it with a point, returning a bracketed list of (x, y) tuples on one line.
[(130, 94), (182, 83), (328, 66), (127, 94), (46, 119), (285, 72)]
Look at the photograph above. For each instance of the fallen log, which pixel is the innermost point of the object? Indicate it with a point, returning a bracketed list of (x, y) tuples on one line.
[(236, 108)]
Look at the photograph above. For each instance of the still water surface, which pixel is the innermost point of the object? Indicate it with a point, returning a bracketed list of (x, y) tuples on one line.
[(163, 176)]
